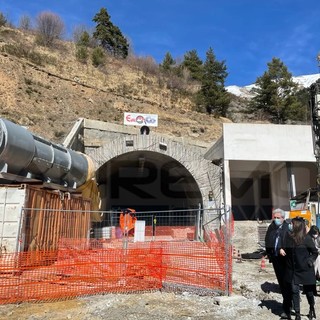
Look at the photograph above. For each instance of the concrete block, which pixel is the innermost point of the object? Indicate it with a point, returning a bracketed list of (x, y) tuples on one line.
[(226, 300)]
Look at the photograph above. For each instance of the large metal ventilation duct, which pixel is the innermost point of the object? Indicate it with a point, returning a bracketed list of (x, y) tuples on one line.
[(25, 154)]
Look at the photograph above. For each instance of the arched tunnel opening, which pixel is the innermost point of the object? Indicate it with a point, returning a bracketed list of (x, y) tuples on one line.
[(150, 183)]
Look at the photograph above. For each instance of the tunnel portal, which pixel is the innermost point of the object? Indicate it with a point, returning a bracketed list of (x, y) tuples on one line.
[(147, 181), (151, 172)]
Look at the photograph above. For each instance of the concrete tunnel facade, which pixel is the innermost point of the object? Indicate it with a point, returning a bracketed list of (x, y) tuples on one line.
[(148, 172)]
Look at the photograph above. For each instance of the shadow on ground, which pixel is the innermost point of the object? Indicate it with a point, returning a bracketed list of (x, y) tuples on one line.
[(253, 255), (268, 287), (274, 306)]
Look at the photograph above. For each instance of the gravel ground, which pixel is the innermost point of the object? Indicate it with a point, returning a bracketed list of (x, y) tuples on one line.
[(255, 296)]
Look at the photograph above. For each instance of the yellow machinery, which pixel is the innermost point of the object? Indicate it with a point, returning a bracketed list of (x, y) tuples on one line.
[(306, 214), (305, 205)]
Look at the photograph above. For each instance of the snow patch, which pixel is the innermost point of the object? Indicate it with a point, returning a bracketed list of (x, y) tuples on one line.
[(304, 81)]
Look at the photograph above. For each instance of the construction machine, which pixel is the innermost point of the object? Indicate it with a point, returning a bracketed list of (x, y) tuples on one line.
[(306, 204)]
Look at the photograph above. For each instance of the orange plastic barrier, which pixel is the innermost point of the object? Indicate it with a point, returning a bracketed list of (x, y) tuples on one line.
[(90, 266), (195, 264), (78, 273)]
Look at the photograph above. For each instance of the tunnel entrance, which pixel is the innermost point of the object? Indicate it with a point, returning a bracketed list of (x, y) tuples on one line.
[(147, 181), (154, 176)]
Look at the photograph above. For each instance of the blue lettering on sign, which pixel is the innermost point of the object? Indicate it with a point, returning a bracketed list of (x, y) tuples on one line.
[(150, 120)]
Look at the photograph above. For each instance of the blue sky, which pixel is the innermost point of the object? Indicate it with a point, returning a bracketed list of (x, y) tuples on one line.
[(246, 34)]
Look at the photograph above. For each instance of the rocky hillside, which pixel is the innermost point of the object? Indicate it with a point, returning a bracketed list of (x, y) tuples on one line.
[(47, 90)]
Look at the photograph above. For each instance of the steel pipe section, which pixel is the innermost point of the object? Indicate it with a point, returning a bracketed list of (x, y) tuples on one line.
[(25, 154)]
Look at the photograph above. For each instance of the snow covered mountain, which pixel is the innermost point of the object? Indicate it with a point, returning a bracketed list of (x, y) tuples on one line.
[(245, 92)]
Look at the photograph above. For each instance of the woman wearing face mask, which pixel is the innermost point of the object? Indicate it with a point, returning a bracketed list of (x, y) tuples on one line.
[(301, 254), (314, 233)]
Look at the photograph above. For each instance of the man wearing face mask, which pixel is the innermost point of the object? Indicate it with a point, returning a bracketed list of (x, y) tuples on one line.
[(274, 240)]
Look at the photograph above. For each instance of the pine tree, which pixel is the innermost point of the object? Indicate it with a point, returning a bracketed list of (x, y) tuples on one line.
[(84, 39), (82, 44), (168, 62), (109, 35), (98, 56), (3, 19), (276, 94), (193, 63), (213, 97)]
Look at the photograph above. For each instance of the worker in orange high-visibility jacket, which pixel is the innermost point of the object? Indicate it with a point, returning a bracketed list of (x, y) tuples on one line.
[(127, 221)]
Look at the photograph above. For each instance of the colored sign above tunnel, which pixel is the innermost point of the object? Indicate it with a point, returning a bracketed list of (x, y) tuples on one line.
[(140, 119)]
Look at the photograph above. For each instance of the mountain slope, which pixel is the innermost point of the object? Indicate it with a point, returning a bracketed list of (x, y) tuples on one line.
[(47, 90)]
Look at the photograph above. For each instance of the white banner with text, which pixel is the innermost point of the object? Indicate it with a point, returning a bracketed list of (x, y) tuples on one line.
[(140, 119)]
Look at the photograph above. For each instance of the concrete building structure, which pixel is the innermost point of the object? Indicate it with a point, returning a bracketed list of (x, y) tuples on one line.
[(264, 165)]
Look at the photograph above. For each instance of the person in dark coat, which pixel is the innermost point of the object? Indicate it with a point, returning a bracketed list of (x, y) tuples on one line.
[(274, 241), (300, 253), (314, 233)]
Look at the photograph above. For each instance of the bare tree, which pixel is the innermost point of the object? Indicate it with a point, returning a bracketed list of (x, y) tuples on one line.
[(25, 22), (146, 64), (49, 27)]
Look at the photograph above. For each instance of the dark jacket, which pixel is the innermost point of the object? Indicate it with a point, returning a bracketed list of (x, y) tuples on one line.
[(272, 232), (300, 259)]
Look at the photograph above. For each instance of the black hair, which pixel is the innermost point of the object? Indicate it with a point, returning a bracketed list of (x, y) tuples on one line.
[(298, 230), (313, 230)]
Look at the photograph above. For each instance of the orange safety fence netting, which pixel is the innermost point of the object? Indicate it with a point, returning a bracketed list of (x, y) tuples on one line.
[(195, 264), (86, 272), (90, 266)]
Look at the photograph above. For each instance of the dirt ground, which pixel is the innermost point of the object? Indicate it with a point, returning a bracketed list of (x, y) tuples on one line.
[(255, 296)]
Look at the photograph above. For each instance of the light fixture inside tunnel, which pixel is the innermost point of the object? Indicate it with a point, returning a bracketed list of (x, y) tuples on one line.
[(163, 146)]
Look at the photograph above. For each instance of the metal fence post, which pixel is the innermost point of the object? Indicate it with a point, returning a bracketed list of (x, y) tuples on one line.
[(197, 226), (154, 224), (227, 244)]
